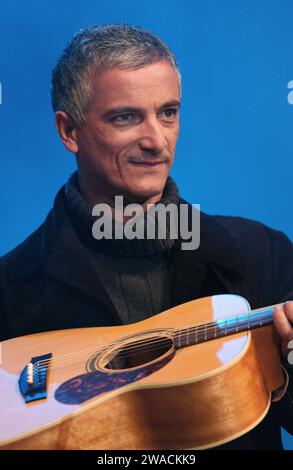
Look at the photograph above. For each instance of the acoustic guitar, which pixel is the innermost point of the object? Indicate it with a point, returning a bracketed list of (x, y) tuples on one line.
[(192, 377)]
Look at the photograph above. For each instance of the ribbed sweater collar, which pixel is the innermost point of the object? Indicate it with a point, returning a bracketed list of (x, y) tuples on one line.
[(80, 213)]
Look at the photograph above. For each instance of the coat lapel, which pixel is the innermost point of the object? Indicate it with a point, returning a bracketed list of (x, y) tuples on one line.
[(67, 260), (218, 251)]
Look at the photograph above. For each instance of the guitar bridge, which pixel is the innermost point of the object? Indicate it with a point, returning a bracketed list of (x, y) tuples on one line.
[(33, 379)]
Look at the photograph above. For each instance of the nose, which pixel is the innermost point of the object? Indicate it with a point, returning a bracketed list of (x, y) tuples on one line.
[(153, 137)]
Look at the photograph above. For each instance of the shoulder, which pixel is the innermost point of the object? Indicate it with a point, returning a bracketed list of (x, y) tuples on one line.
[(267, 255), (255, 236), (25, 257), (231, 236), (29, 255)]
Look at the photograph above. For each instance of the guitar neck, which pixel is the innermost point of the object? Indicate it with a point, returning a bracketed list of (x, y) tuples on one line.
[(228, 326)]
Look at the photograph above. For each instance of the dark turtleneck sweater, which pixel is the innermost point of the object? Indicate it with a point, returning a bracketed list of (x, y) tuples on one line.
[(136, 273)]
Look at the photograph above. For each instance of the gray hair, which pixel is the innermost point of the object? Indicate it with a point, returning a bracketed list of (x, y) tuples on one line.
[(101, 47)]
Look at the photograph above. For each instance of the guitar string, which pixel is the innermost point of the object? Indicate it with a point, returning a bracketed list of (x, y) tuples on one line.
[(248, 317), (137, 350), (58, 359), (198, 329)]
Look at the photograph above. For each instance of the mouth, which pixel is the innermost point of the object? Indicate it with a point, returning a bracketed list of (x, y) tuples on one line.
[(148, 164)]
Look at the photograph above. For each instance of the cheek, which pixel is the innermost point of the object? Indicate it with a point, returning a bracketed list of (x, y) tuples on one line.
[(174, 134), (116, 144), (122, 148), (113, 157)]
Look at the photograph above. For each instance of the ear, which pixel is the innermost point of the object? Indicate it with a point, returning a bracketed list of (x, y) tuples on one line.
[(66, 130)]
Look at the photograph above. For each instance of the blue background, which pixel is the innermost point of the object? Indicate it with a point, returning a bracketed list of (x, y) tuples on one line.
[(234, 154)]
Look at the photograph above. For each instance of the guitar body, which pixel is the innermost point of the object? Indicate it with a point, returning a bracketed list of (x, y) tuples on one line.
[(101, 396)]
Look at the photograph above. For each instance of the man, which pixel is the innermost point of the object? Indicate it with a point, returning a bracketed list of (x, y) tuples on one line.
[(116, 96)]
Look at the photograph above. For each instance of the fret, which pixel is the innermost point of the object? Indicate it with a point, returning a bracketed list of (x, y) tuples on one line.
[(187, 337), (257, 320), (215, 330), (196, 335)]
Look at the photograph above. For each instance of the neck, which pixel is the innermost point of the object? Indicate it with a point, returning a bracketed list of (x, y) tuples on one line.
[(224, 327), (104, 197)]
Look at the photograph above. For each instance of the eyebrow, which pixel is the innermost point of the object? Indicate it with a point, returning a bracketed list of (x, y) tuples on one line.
[(132, 109)]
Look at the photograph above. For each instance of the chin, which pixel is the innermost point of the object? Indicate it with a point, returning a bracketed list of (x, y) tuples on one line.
[(143, 192)]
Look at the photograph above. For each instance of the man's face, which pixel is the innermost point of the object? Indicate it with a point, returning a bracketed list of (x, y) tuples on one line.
[(127, 144)]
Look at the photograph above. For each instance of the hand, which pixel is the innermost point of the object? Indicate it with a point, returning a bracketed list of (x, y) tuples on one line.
[(283, 321)]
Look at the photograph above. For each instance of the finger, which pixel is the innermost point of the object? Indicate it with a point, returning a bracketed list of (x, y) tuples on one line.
[(282, 323), (283, 328), (288, 309)]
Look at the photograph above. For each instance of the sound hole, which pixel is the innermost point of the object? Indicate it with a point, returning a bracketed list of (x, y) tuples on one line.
[(138, 353)]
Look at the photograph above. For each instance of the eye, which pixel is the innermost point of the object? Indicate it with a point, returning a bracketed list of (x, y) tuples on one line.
[(170, 113), (125, 118)]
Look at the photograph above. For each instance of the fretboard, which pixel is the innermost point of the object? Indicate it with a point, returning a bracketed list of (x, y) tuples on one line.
[(225, 327)]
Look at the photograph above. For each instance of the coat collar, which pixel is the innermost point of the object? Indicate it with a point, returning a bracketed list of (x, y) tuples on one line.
[(56, 248)]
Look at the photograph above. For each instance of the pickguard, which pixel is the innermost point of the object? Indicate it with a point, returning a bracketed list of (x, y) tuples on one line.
[(81, 388)]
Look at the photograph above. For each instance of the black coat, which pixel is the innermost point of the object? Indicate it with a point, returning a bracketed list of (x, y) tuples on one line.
[(48, 283)]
